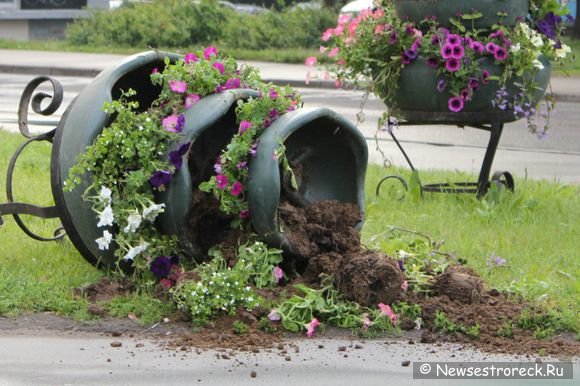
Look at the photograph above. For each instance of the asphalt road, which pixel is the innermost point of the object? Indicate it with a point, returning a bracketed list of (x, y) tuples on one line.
[(429, 147)]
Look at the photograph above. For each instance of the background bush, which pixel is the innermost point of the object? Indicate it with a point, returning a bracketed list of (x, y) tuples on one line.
[(183, 24)]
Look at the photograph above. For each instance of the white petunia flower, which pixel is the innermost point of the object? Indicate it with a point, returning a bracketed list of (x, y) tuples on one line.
[(103, 242), (516, 47), (151, 213), (106, 217), (133, 252), (537, 40), (539, 65), (105, 195), (562, 52), (133, 222)]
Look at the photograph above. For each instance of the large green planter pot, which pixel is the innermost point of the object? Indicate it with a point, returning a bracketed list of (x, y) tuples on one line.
[(209, 124), (443, 10), (331, 154), (417, 88)]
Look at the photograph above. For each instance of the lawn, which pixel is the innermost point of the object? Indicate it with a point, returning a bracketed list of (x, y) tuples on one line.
[(536, 230)]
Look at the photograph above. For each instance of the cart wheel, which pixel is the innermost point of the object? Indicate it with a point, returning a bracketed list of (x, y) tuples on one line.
[(503, 179), (398, 178)]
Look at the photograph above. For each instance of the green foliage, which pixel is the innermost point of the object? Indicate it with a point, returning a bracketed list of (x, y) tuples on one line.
[(222, 289), (144, 305), (404, 309), (545, 324), (506, 330), (266, 325), (240, 328), (443, 323)]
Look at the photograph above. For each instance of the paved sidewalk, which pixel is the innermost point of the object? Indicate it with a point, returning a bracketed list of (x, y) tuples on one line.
[(89, 65)]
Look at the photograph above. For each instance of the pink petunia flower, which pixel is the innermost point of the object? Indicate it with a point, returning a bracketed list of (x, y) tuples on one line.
[(244, 214), (190, 57), (191, 99), (387, 311), (178, 86), (310, 327), (173, 123), (344, 18), (452, 65), (333, 52), (220, 67), (278, 273), (244, 126), (455, 104), (274, 315), (209, 51), (310, 61), (327, 34), (222, 181), (405, 285), (366, 321), (237, 188), (232, 83)]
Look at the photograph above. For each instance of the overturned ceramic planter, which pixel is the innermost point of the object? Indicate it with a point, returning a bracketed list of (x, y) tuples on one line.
[(332, 157)]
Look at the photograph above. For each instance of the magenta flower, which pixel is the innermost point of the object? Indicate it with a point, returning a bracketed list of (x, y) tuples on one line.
[(453, 39), (327, 34), (219, 66), (447, 51), (155, 71), (191, 57), (232, 83), (333, 52), (441, 85), (242, 165), (222, 181), (219, 88), (272, 93), (277, 273), (217, 167), (393, 38), (209, 52), (477, 47), (191, 99), (500, 53), (473, 84), (458, 52), (490, 47), (455, 104), (244, 126), (274, 315), (245, 214), (236, 189), (178, 86), (387, 311), (464, 94), (174, 123), (405, 285), (452, 65), (253, 150), (310, 327)]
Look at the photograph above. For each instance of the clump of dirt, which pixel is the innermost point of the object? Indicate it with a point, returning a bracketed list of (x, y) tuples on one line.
[(105, 289), (324, 234), (460, 283)]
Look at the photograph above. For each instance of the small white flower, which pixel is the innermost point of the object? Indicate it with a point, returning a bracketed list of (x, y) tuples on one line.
[(105, 195), (150, 213), (516, 47), (539, 65), (106, 217), (537, 40), (562, 52), (133, 222), (134, 251), (103, 242)]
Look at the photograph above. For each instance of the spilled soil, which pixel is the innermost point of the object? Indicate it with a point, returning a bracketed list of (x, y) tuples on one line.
[(325, 242)]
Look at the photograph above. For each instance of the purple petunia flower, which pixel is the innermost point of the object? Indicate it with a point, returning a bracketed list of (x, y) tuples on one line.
[(455, 104), (237, 188), (160, 178), (452, 65), (447, 51), (242, 165), (222, 181), (441, 85), (244, 214), (477, 47), (465, 94), (161, 266), (176, 156), (485, 76), (405, 59), (272, 94), (411, 54), (458, 52), (253, 150), (490, 47), (500, 53), (473, 84), (433, 62), (393, 38), (274, 114), (453, 39)]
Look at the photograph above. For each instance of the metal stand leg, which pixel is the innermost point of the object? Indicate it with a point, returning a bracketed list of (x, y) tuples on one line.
[(494, 137)]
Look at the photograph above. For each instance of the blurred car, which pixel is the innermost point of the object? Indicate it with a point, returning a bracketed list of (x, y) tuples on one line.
[(308, 5), (250, 9), (355, 7)]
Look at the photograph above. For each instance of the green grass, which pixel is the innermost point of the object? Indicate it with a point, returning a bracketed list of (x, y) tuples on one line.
[(536, 229)]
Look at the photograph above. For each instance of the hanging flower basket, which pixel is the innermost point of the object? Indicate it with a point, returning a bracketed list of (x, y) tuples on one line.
[(483, 13)]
